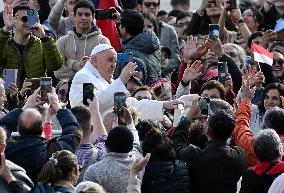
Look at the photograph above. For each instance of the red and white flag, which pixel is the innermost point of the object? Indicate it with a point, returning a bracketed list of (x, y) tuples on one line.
[(262, 55)]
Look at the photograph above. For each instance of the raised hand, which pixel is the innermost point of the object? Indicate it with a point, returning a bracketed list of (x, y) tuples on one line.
[(127, 72), (9, 19), (139, 165), (228, 84), (194, 49), (192, 71), (247, 93)]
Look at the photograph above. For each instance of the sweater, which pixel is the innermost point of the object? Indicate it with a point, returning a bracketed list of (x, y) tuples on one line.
[(113, 171), (73, 47)]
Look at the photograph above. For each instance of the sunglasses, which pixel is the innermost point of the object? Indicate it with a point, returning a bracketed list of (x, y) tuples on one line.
[(24, 19), (279, 61), (148, 4)]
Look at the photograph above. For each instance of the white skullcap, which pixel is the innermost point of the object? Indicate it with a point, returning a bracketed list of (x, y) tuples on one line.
[(100, 48)]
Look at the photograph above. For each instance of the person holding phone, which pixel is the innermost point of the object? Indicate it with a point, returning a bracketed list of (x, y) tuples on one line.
[(29, 50), (77, 45), (99, 71)]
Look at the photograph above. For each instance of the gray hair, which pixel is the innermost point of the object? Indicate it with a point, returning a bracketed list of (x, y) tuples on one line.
[(240, 51), (219, 105), (89, 186), (274, 118), (267, 145)]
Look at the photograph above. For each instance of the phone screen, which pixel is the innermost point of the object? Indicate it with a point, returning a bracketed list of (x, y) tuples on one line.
[(119, 102), (32, 17), (9, 77), (204, 105), (88, 92), (214, 31), (222, 72), (45, 87), (104, 14)]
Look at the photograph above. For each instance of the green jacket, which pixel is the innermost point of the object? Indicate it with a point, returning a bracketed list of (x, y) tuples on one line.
[(40, 56)]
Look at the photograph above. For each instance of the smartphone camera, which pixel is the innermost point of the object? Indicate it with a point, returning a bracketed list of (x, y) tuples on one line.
[(204, 105), (119, 102), (214, 31), (88, 93)]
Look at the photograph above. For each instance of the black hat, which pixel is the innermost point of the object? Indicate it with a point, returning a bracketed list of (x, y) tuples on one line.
[(120, 140)]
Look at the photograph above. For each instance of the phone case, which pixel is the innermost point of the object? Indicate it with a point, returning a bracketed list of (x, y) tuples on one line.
[(32, 17), (9, 77), (45, 87), (88, 92), (222, 72)]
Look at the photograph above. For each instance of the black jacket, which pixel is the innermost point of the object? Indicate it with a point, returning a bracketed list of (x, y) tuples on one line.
[(30, 151), (215, 169), (166, 177), (259, 178)]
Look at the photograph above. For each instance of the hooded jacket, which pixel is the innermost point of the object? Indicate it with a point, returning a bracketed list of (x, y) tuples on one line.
[(145, 46), (73, 47)]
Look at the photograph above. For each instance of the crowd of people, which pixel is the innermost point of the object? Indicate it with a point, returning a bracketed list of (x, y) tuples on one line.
[(141, 99)]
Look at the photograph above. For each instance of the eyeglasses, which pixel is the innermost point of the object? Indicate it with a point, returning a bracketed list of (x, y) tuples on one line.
[(24, 19), (279, 61), (148, 4)]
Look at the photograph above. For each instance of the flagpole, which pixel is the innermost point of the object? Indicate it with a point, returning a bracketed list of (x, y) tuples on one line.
[(258, 66)]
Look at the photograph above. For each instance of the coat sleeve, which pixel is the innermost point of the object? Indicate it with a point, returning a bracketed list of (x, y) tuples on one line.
[(55, 18), (242, 133), (184, 151), (174, 46), (234, 71), (69, 126), (147, 109), (52, 57), (10, 121)]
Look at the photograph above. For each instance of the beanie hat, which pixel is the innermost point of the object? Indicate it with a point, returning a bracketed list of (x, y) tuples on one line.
[(120, 140)]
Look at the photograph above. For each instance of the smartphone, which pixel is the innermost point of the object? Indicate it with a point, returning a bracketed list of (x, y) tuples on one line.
[(32, 17), (214, 31), (45, 87), (125, 58), (222, 72), (119, 102), (204, 105), (9, 77), (233, 4), (35, 83), (280, 35), (105, 14), (88, 92)]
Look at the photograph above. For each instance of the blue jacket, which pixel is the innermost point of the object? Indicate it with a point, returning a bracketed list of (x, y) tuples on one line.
[(146, 47), (30, 151)]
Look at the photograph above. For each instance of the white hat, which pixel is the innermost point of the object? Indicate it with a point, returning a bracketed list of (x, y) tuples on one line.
[(100, 48)]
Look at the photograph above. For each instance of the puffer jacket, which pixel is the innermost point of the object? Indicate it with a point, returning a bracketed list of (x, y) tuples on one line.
[(166, 177), (40, 56), (145, 46), (73, 47)]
